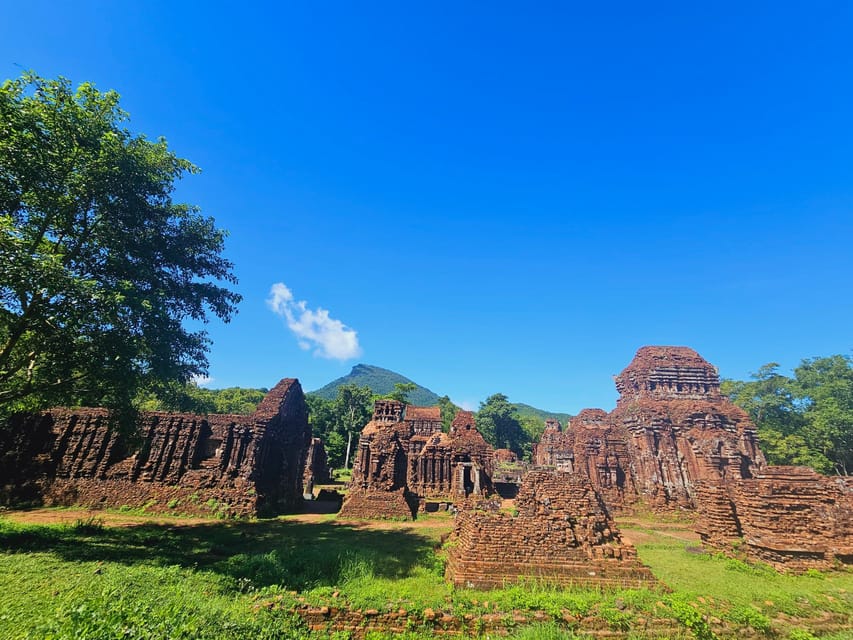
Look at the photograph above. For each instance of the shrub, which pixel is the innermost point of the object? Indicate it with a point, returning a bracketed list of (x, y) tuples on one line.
[(751, 617), (691, 618)]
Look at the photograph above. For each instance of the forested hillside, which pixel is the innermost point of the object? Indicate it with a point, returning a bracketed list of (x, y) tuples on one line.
[(381, 382)]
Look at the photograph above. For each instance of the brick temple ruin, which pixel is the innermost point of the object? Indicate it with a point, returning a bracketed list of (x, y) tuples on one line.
[(404, 458), (790, 517), (671, 429), (560, 533), (674, 441), (222, 464)]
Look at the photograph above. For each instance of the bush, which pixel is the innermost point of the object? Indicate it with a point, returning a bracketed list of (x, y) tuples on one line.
[(751, 617)]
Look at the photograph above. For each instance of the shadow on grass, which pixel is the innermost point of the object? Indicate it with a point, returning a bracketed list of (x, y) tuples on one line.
[(294, 555)]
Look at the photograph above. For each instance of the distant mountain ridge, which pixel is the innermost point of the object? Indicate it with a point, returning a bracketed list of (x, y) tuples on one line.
[(525, 411), (381, 382)]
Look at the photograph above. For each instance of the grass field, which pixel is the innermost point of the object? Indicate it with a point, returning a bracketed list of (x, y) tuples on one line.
[(123, 576)]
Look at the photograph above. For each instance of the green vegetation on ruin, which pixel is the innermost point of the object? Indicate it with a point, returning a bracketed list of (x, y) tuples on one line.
[(240, 579)]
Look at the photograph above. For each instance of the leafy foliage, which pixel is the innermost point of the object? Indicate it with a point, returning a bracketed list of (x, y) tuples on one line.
[(98, 266), (401, 391), (335, 420), (500, 424), (448, 412), (805, 420), (194, 399)]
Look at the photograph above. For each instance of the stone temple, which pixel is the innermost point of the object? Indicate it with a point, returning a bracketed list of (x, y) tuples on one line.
[(671, 429), (222, 464), (404, 459)]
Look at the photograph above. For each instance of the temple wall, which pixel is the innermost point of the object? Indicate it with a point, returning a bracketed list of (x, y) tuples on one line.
[(242, 464), (790, 517)]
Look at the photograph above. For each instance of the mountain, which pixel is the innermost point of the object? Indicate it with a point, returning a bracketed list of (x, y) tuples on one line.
[(381, 381), (525, 411)]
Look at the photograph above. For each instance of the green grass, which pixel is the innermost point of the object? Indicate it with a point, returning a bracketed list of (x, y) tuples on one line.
[(750, 596), (233, 579)]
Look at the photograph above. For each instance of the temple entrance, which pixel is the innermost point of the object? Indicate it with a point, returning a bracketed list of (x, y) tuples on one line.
[(467, 479), (467, 483)]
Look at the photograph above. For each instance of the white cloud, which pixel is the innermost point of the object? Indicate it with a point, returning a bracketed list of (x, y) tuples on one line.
[(203, 381), (314, 328)]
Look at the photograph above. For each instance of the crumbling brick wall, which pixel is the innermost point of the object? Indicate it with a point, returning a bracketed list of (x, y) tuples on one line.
[(241, 465), (562, 534), (790, 517)]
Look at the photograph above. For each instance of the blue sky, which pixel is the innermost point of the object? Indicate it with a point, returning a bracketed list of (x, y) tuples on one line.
[(495, 197)]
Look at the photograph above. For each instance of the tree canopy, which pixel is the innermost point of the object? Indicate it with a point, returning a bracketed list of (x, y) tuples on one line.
[(99, 268), (401, 391), (806, 419), (500, 424), (335, 420)]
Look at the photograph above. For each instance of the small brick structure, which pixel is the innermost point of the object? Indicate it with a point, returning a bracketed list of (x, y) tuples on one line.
[(404, 458), (561, 534), (671, 428), (222, 464), (593, 446), (789, 517)]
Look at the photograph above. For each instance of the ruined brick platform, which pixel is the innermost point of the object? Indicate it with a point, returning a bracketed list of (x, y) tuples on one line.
[(789, 517), (562, 534), (214, 464), (671, 429), (404, 458)]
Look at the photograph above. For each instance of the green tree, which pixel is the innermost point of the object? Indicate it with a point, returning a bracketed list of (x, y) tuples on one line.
[(401, 391), (500, 424), (321, 416), (448, 412), (237, 400), (825, 386), (771, 400), (804, 420), (353, 407), (339, 420), (99, 268), (533, 427), (176, 396)]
